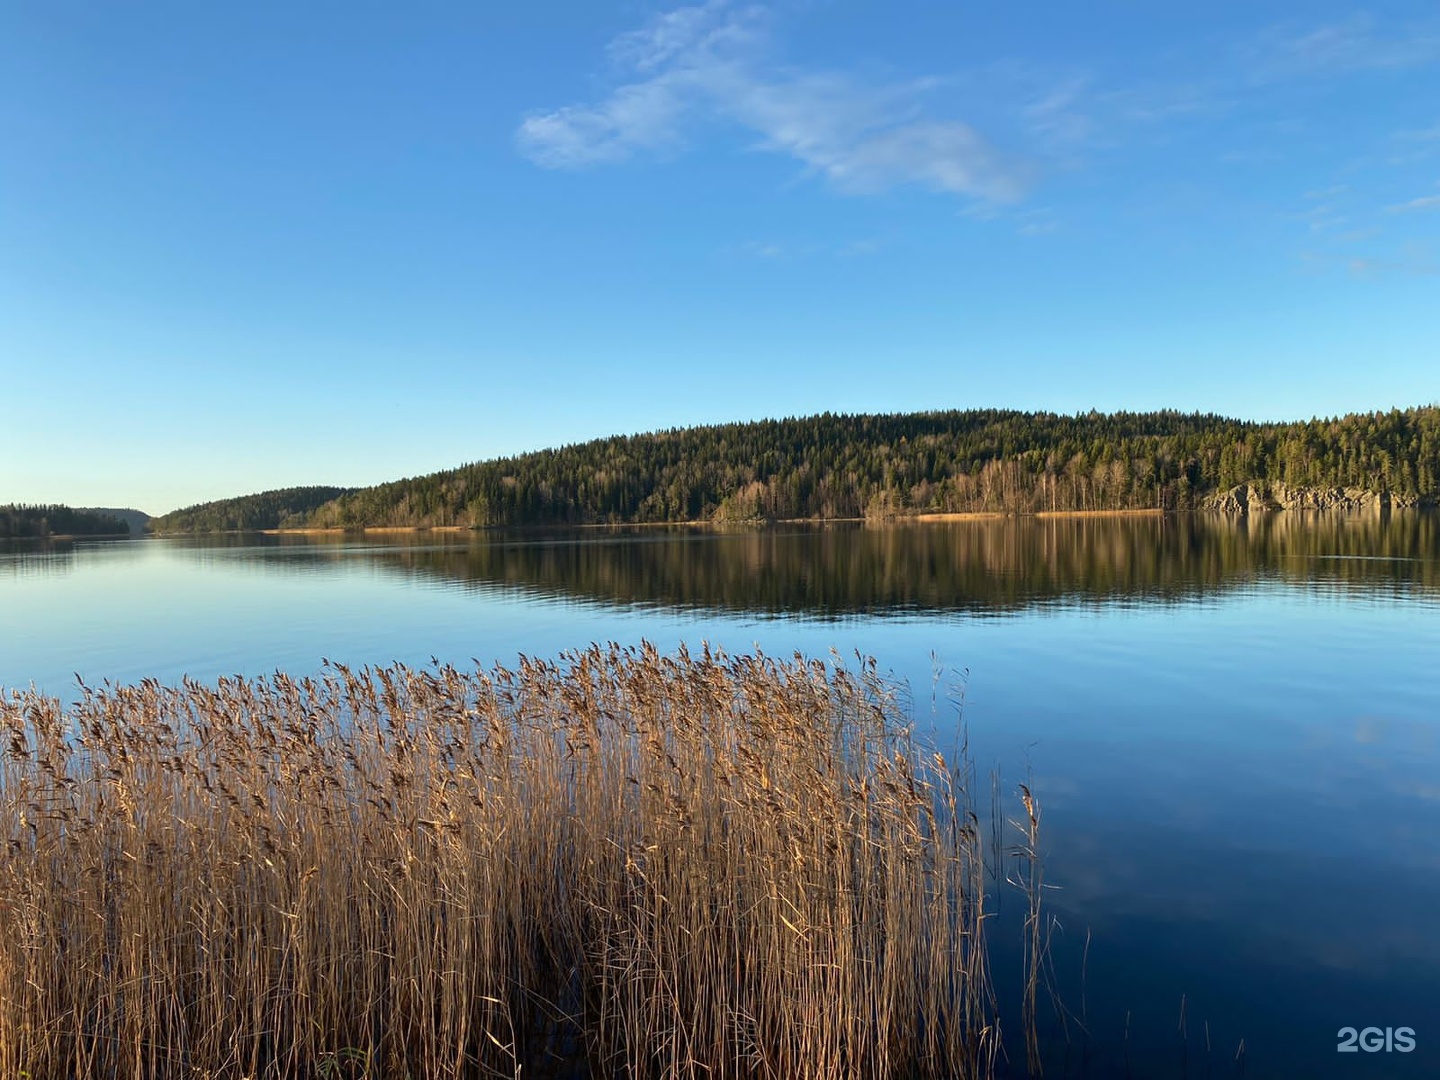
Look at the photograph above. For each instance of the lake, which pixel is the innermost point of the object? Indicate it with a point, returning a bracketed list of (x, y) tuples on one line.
[(1233, 726)]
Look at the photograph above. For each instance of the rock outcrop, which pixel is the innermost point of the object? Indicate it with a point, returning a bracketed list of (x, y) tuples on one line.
[(1246, 498)]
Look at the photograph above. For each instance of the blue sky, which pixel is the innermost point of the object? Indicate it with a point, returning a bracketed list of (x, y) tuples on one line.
[(254, 245)]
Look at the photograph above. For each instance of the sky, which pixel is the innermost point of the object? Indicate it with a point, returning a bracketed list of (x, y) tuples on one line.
[(256, 245)]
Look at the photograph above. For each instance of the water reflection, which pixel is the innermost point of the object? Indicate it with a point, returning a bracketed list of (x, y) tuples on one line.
[(36, 558), (978, 567)]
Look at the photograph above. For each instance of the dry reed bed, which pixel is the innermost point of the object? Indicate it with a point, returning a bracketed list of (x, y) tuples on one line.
[(621, 862)]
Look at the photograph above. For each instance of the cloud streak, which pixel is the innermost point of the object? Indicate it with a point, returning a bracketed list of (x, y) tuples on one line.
[(1349, 46), (710, 66), (1424, 202), (1411, 260)]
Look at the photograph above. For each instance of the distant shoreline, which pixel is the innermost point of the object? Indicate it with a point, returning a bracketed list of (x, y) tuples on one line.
[(70, 538), (701, 523), (342, 532), (743, 523), (898, 519), (1147, 512)]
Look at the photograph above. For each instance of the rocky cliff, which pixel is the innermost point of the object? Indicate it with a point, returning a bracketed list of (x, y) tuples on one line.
[(1260, 495)]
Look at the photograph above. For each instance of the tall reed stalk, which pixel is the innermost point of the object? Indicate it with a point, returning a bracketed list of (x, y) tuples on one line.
[(620, 863)]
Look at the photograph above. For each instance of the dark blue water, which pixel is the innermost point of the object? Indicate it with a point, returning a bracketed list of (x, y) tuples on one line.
[(1233, 730)]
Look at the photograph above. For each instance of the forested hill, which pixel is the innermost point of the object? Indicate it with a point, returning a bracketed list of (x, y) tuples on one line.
[(833, 466), (285, 507), (17, 521), (137, 520)]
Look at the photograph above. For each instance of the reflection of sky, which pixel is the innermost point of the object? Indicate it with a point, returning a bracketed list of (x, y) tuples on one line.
[(1242, 788)]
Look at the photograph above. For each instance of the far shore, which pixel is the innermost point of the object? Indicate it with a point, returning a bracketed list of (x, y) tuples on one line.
[(1148, 512), (992, 515), (955, 515), (70, 538), (705, 523), (366, 529)]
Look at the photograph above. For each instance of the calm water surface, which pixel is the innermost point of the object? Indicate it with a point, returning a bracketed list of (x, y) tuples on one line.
[(1234, 730)]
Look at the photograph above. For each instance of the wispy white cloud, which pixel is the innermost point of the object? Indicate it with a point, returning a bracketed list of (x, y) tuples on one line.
[(1424, 202), (1356, 44), (672, 35), (1324, 218), (710, 65), (1060, 113), (642, 116), (719, 65), (1040, 221), (1162, 103), (1416, 264), (1068, 116), (1411, 260)]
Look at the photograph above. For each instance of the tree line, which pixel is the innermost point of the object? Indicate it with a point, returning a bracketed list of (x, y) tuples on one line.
[(877, 466), (282, 508), (19, 521)]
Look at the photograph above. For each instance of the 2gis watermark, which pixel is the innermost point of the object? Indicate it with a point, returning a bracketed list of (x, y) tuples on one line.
[(1374, 1040)]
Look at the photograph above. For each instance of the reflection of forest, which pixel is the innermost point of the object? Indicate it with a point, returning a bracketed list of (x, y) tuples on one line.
[(989, 565), (36, 558)]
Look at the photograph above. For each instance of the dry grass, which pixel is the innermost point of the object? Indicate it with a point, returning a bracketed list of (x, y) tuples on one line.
[(637, 865)]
